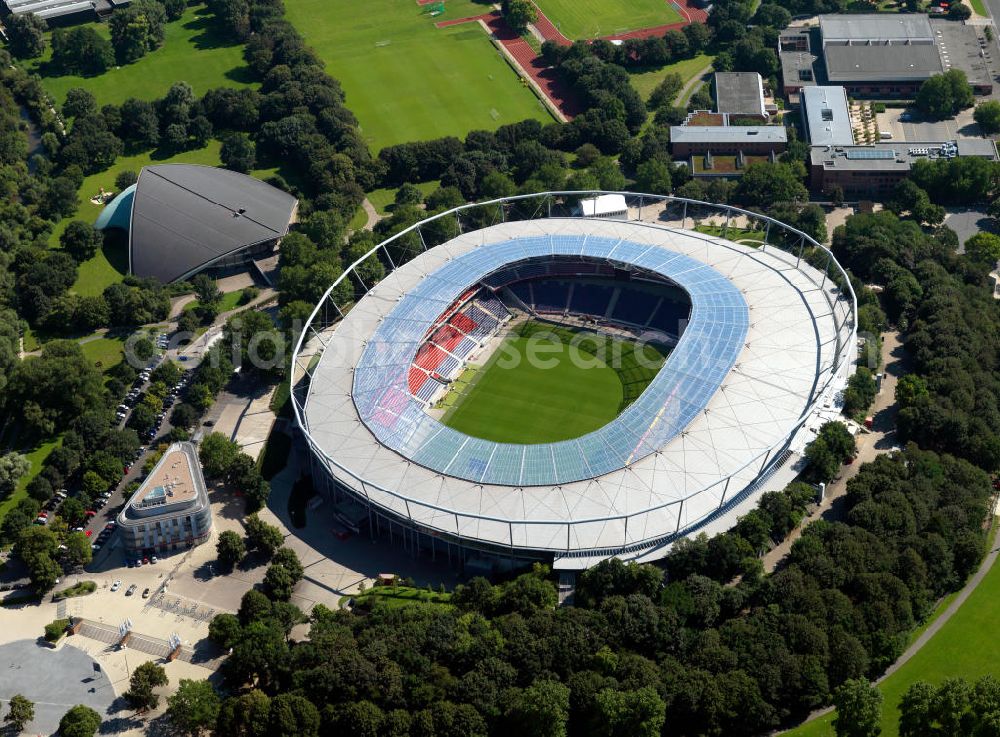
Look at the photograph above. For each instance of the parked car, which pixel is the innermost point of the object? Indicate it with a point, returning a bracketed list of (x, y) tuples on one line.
[(153, 559), (130, 590), (116, 585), (145, 593)]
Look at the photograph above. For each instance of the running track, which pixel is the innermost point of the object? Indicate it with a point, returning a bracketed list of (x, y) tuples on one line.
[(559, 93)]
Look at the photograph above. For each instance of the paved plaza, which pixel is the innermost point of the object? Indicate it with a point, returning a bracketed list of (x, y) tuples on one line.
[(55, 680)]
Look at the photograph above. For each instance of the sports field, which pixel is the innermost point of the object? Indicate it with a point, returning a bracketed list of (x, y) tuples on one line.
[(578, 19), (406, 80), (193, 51), (546, 384)]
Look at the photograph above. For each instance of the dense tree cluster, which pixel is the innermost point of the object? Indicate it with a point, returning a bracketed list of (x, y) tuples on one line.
[(641, 652)]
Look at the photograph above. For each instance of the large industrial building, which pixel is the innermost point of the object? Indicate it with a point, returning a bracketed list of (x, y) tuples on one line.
[(170, 511), (762, 345), (182, 219), (885, 55), (62, 12)]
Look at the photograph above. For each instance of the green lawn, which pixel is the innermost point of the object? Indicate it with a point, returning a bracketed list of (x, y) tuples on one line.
[(540, 387), (407, 80), (36, 456), (399, 596), (229, 301), (192, 52), (111, 263), (104, 352), (965, 646), (595, 18), (645, 82), (384, 199)]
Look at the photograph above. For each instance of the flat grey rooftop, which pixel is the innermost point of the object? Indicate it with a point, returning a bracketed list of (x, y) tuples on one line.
[(857, 63), (739, 93), (888, 27), (728, 134), (826, 115)]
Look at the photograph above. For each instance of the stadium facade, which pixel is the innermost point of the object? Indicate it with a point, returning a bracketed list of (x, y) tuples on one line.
[(763, 331)]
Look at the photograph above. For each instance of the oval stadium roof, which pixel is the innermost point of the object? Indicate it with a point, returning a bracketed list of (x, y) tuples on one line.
[(186, 217)]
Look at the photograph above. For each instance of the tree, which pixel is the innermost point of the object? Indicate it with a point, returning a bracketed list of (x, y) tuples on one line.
[(81, 240), (984, 247), (987, 115), (78, 550), (859, 709), (262, 536), (79, 102), (540, 710), (638, 713), (230, 548), (27, 35), (292, 715), (943, 95), (238, 152), (519, 14), (194, 707), (137, 29), (205, 288), (244, 716), (125, 179), (80, 721), (653, 177), (224, 630), (81, 50), (763, 184), (12, 467), (141, 684), (217, 453), (21, 711)]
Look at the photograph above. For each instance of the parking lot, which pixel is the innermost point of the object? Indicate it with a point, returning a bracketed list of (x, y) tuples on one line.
[(906, 126)]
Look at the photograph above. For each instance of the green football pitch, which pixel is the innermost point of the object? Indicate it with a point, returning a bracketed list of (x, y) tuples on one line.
[(406, 80), (547, 383), (594, 18)]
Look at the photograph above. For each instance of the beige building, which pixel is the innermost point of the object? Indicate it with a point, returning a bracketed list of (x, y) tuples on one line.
[(170, 511)]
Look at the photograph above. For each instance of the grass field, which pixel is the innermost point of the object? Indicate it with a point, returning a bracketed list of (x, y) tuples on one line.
[(407, 80), (593, 18), (104, 352), (546, 384), (36, 456), (193, 51), (397, 597), (646, 82), (229, 301), (965, 646)]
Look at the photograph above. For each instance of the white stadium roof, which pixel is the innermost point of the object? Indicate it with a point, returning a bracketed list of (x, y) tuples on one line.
[(799, 326)]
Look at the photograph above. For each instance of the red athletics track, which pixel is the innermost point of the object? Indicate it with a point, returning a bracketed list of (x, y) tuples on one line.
[(533, 65)]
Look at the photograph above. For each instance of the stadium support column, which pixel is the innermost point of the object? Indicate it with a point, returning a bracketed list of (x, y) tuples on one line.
[(826, 271), (684, 215), (802, 245), (725, 491), (639, 217), (391, 262), (767, 234)]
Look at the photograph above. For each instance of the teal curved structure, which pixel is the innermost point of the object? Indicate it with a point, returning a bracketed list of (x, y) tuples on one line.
[(118, 212)]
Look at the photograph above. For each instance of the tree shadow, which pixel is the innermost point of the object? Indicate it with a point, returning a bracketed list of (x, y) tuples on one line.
[(209, 35), (241, 75)]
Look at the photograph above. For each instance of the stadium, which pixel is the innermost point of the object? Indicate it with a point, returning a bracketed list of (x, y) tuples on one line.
[(528, 383)]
